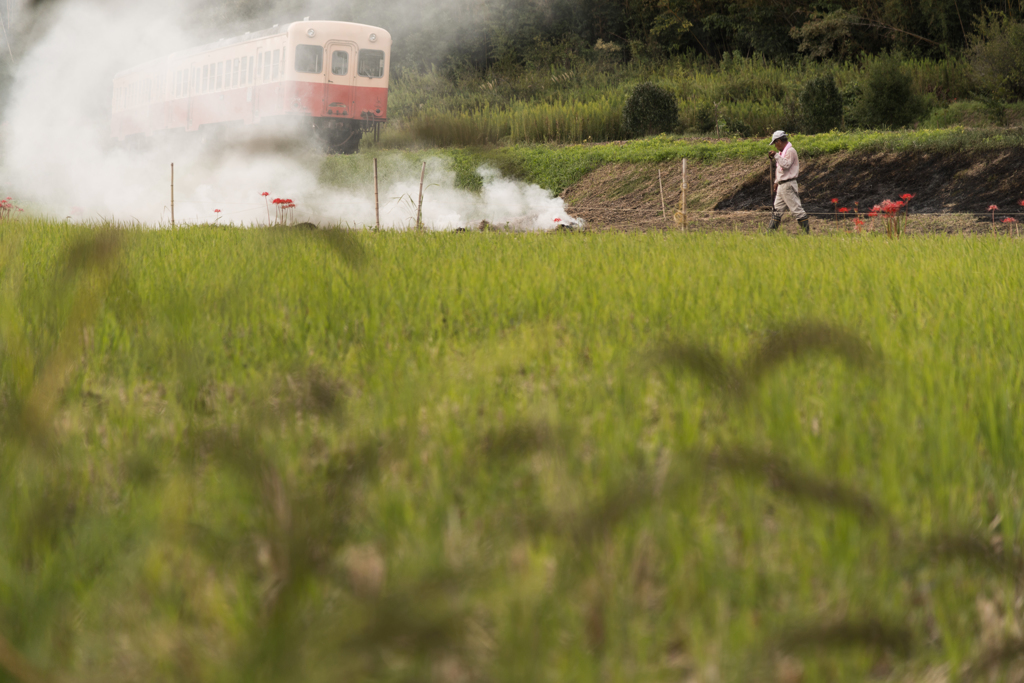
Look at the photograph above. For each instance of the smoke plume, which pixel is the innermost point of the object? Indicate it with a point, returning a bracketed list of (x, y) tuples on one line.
[(58, 158)]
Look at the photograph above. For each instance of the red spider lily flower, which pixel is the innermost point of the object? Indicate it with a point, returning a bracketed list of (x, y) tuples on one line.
[(872, 214), (907, 197), (890, 207), (834, 200), (844, 210), (1021, 202), (265, 194), (21, 210), (216, 210), (558, 220), (858, 222), (1009, 219), (993, 207)]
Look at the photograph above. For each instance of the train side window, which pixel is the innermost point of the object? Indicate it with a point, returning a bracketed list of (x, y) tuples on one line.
[(252, 73), (371, 63), (177, 84), (206, 76), (259, 66), (234, 77), (220, 75), (245, 71), (309, 59), (277, 63), (339, 63)]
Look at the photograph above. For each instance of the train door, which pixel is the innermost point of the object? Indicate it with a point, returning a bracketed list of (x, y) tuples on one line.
[(340, 93)]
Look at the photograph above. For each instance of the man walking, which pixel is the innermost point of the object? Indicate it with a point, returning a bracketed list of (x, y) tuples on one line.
[(787, 192)]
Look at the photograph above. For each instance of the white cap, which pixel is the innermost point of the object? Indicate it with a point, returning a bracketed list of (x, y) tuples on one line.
[(778, 134)]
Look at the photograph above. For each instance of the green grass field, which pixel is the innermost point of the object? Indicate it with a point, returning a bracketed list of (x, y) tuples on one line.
[(268, 455)]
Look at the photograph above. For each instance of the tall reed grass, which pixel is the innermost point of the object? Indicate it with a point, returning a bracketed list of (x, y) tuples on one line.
[(740, 96)]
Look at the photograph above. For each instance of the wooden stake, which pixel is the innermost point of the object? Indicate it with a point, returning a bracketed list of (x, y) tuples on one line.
[(172, 195), (664, 214), (376, 193), (684, 195), (680, 216), (419, 207)]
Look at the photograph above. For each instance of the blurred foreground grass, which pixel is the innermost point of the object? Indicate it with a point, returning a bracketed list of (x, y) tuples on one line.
[(267, 455)]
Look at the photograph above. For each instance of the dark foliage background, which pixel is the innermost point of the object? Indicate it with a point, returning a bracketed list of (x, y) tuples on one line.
[(480, 33)]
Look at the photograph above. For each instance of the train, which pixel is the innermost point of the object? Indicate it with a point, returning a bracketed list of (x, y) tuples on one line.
[(329, 78)]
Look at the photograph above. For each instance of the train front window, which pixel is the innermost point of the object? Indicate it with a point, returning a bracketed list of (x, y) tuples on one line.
[(371, 63), (309, 59), (339, 63)]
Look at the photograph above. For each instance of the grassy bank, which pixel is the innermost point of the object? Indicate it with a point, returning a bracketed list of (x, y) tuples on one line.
[(556, 167), (269, 455)]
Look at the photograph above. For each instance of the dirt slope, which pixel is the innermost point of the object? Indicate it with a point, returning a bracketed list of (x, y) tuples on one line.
[(944, 183)]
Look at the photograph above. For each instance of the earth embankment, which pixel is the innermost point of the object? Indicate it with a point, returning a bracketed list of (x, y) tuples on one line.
[(953, 188)]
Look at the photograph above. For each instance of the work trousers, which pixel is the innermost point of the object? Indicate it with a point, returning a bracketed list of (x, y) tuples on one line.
[(788, 195)]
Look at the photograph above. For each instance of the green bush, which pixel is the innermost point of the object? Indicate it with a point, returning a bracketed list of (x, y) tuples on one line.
[(821, 105), (888, 99), (700, 117), (997, 58), (649, 110)]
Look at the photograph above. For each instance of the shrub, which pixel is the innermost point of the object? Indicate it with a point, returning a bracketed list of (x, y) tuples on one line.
[(821, 105), (649, 110), (888, 99), (701, 118), (996, 58)]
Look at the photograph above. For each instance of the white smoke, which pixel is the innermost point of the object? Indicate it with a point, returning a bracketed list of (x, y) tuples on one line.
[(58, 158)]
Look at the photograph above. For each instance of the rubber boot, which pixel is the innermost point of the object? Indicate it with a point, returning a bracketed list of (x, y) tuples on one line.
[(806, 225), (776, 221)]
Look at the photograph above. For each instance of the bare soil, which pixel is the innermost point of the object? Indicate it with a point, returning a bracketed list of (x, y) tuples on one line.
[(952, 191)]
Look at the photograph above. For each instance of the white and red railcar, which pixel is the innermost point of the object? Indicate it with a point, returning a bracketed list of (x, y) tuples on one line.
[(329, 76)]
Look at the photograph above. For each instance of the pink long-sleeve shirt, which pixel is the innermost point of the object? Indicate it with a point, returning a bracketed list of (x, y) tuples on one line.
[(787, 163)]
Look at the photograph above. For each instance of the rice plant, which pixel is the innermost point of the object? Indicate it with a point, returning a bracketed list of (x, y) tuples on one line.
[(288, 454)]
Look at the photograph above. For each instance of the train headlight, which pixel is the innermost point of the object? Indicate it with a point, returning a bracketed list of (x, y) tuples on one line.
[(373, 37), (311, 33)]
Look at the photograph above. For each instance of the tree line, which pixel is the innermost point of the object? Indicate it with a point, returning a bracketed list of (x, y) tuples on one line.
[(481, 33)]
